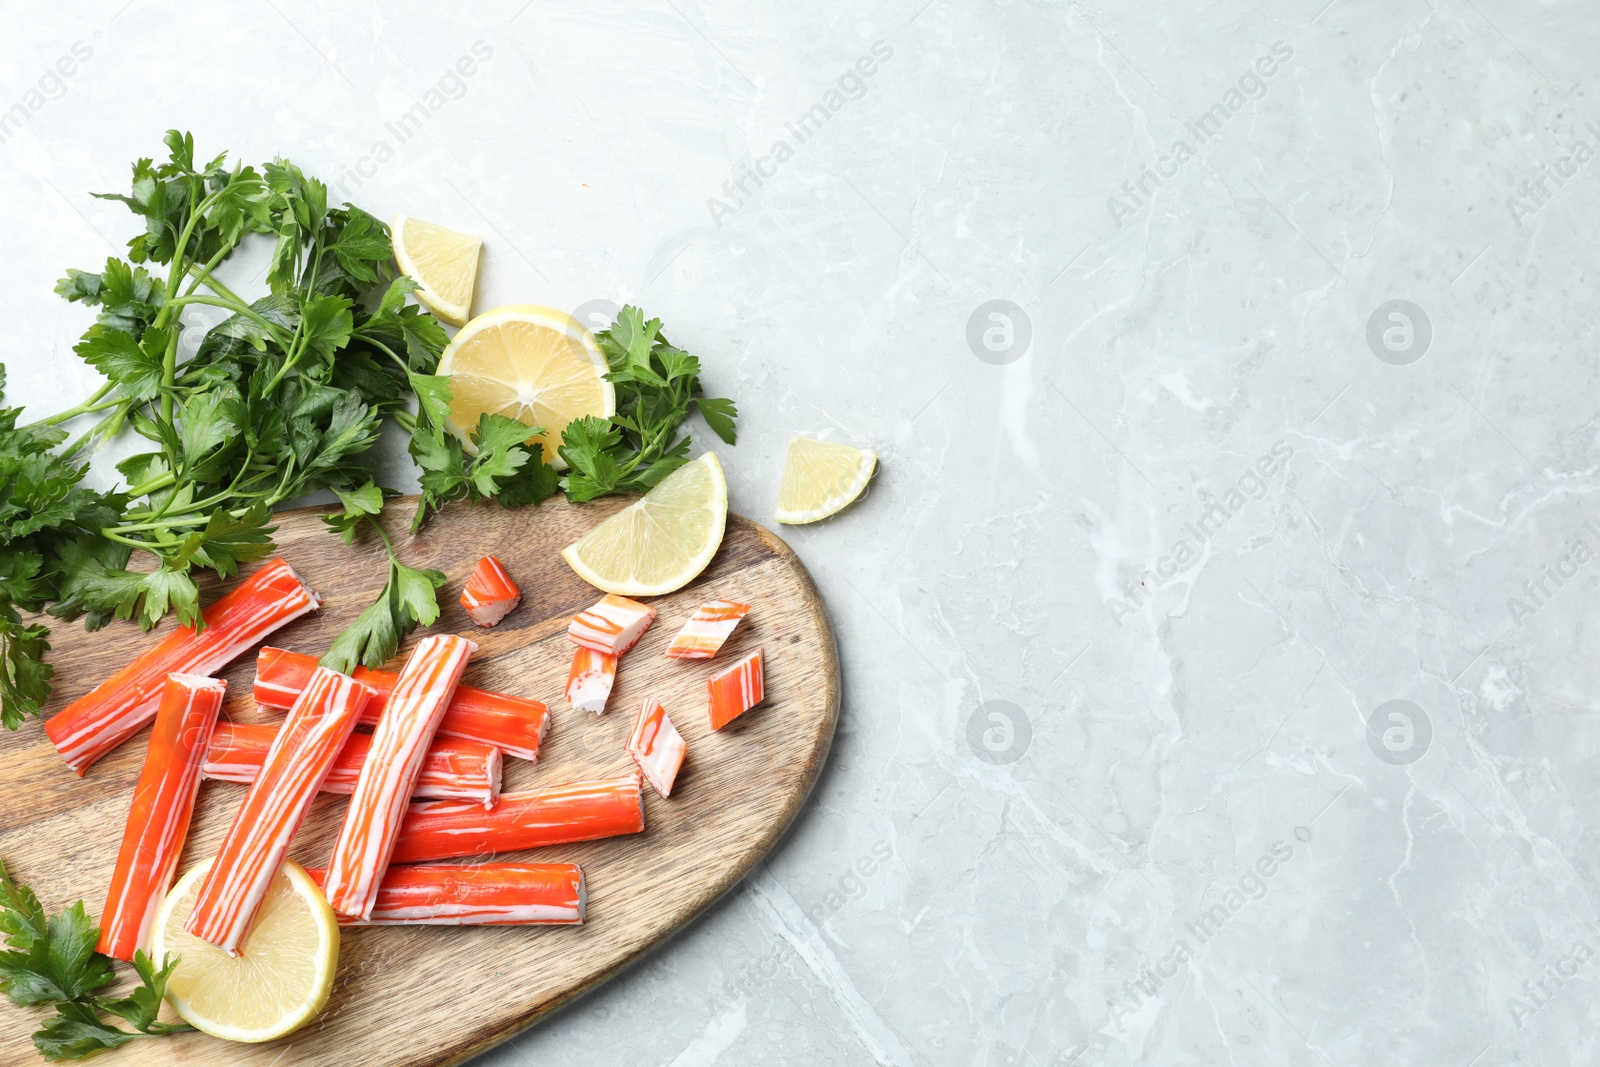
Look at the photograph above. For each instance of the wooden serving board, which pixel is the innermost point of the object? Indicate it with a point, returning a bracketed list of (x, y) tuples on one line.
[(439, 995)]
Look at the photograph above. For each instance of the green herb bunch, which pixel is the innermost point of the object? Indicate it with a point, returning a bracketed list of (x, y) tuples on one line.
[(283, 397)]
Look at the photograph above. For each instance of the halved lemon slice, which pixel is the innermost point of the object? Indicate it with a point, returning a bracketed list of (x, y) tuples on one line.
[(443, 262), (280, 979), (663, 540), (534, 364), (820, 478)]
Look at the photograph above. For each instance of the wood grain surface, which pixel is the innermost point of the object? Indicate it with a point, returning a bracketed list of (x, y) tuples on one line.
[(439, 995)]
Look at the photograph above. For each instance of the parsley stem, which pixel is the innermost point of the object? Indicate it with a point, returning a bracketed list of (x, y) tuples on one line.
[(237, 308), (230, 492), (298, 344), (387, 544), (92, 404), (181, 263), (161, 523), (113, 421), (216, 286), (160, 481), (204, 273), (110, 534), (169, 374)]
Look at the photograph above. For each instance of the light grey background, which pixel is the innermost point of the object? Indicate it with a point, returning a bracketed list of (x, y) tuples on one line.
[(1046, 774)]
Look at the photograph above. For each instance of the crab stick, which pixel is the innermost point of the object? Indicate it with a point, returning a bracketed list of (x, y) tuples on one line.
[(612, 626), (656, 746), (707, 629), (399, 745), (101, 720), (455, 768), (253, 849), (590, 679), (556, 815), (478, 894), (490, 594), (514, 725), (736, 690), (158, 819)]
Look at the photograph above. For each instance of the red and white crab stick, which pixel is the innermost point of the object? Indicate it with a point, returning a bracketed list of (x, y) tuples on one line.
[(476, 894), (656, 746), (454, 769), (158, 819), (707, 629), (253, 849), (399, 745), (101, 720), (489, 594), (733, 692), (514, 725), (613, 625), (590, 680), (556, 815)]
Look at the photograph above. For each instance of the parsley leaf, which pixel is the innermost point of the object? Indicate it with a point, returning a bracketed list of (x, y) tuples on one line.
[(507, 464), (358, 504), (129, 297), (24, 676), (407, 600), (657, 384), (135, 368), (51, 961)]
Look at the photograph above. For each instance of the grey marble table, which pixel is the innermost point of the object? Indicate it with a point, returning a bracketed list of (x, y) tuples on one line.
[(1215, 637)]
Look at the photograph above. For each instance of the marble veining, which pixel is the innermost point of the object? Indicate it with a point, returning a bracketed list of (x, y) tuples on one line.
[(1214, 637)]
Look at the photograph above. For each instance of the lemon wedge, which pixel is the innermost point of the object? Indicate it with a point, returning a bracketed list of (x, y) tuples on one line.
[(820, 478), (662, 541), (443, 262), (280, 979), (534, 364)]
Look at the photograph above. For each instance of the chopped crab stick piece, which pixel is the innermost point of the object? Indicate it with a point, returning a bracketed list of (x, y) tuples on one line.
[(399, 745), (613, 626), (455, 768), (99, 721), (556, 815), (158, 819), (590, 680), (253, 849), (477, 894), (736, 690), (490, 594), (514, 725), (656, 746), (707, 629)]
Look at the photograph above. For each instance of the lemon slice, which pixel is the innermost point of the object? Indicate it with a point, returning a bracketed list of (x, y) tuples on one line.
[(533, 364), (280, 979), (820, 478), (443, 262), (663, 540)]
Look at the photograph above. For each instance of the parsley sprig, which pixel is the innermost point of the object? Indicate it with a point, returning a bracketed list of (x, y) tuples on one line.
[(407, 598), (51, 962), (280, 399), (657, 384)]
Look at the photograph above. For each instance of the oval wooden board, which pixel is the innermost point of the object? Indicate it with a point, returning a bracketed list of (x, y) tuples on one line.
[(439, 995)]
